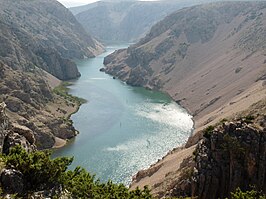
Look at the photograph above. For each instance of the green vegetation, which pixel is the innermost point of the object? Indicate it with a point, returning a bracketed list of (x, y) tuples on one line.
[(208, 131), (41, 172), (62, 90), (247, 195), (249, 119), (37, 167)]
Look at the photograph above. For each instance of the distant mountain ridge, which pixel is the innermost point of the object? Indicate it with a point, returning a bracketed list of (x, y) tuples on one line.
[(127, 21), (124, 20), (78, 9)]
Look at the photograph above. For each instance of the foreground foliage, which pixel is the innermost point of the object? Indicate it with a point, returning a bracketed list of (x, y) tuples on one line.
[(247, 195), (41, 172)]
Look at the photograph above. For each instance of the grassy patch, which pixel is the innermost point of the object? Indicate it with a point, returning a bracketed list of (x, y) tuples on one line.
[(62, 90)]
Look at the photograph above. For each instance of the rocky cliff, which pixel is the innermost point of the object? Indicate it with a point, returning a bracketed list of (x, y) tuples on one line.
[(124, 20), (43, 34), (32, 107), (39, 39), (231, 155)]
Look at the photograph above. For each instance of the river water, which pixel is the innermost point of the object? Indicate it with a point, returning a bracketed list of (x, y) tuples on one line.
[(123, 129)]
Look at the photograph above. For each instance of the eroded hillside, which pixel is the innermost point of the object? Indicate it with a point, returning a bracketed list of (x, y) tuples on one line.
[(39, 39), (43, 34), (203, 56)]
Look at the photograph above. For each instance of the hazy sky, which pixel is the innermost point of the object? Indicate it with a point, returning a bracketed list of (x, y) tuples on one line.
[(72, 3)]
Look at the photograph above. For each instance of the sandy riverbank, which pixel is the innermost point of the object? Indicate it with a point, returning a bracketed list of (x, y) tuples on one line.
[(60, 107)]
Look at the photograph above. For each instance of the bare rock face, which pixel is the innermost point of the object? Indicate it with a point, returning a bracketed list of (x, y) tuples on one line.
[(31, 124), (62, 68), (24, 131), (61, 129), (43, 34), (231, 155), (4, 125), (38, 36), (14, 139)]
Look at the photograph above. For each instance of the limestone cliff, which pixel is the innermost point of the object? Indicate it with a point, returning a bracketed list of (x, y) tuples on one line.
[(32, 108), (38, 40), (43, 34), (231, 155)]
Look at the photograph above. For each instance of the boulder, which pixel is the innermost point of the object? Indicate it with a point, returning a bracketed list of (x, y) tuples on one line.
[(12, 181), (14, 139), (24, 131)]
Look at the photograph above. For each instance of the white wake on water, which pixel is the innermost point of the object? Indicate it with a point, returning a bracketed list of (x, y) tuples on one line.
[(166, 114)]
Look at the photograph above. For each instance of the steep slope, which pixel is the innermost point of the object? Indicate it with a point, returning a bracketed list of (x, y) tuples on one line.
[(230, 155), (38, 40), (210, 59), (203, 56), (124, 20), (43, 34)]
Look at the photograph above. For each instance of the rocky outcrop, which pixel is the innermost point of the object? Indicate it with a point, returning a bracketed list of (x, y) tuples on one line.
[(196, 53), (12, 181), (4, 125), (231, 155), (38, 37), (14, 134), (24, 131), (31, 108), (62, 68), (43, 34)]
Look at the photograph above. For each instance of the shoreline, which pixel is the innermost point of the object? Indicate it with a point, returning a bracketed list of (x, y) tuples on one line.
[(172, 162), (59, 142)]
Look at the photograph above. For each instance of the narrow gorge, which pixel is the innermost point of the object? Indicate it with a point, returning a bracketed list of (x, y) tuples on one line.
[(181, 111)]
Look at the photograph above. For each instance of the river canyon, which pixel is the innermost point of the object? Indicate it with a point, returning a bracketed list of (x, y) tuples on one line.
[(122, 129)]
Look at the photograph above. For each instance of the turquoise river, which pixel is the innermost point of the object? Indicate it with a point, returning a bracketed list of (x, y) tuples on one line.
[(123, 129)]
